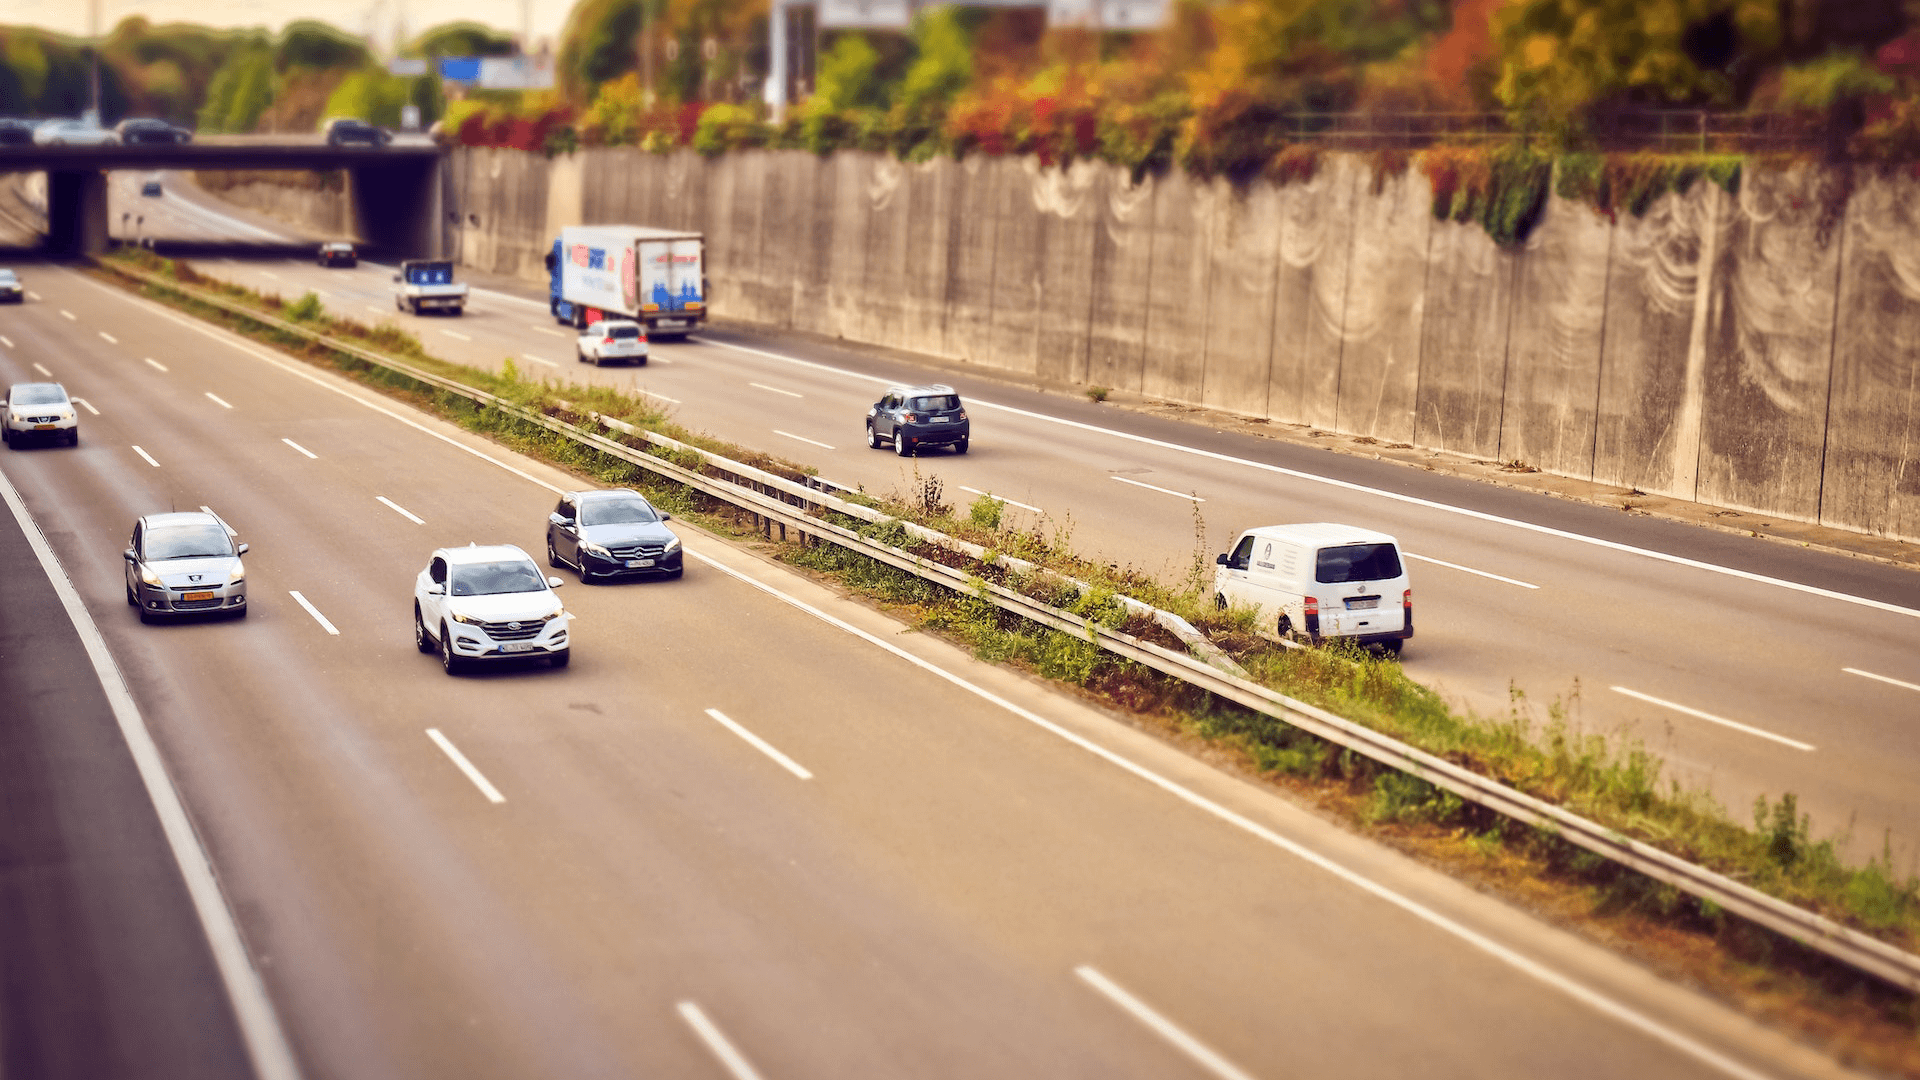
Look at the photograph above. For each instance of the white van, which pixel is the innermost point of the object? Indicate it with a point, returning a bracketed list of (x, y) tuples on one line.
[(1320, 581)]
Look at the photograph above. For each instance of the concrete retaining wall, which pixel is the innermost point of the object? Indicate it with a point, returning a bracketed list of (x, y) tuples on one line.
[(1731, 349)]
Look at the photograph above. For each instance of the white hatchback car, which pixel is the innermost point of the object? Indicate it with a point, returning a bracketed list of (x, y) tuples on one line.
[(38, 410), (488, 603), (612, 339)]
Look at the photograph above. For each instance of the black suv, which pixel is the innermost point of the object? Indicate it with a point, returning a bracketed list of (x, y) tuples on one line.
[(342, 130), (915, 416)]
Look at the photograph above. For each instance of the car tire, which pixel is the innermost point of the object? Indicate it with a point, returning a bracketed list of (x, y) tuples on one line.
[(561, 658), (553, 557), (448, 662), (596, 359), (132, 599), (6, 433), (960, 447), (1285, 628), (1220, 601), (147, 617), (873, 437), (420, 639), (902, 446), (73, 437), (1393, 646)]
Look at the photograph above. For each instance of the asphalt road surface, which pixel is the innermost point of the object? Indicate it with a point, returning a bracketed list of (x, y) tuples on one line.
[(753, 831), (1751, 668)]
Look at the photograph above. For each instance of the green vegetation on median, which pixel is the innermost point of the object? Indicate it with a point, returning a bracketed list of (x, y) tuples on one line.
[(1538, 751)]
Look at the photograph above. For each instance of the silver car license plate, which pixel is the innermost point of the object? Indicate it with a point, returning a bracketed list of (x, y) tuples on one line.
[(939, 419)]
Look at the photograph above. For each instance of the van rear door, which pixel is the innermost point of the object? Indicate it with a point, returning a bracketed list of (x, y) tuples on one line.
[(1359, 587)]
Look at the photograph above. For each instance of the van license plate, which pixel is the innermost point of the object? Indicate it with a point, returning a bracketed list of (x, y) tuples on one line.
[(1364, 603)]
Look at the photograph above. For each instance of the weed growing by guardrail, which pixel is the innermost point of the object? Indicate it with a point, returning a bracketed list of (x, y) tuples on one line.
[(1611, 780)]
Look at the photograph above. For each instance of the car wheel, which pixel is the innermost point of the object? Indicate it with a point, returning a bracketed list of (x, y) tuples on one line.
[(73, 437), (596, 359), (553, 557), (902, 445), (1220, 601), (873, 437), (447, 660), (1285, 628), (960, 447), (132, 600), (1393, 647), (561, 658), (420, 639), (147, 617)]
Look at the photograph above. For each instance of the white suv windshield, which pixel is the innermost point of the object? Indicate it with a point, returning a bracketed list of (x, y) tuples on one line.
[(487, 579), (39, 395), (188, 542)]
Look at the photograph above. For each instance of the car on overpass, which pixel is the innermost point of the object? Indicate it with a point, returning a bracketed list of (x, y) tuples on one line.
[(609, 534), (11, 290), (338, 253), (70, 132), (344, 130), (138, 130), (15, 132), (38, 410), (474, 604), (914, 417), (185, 563)]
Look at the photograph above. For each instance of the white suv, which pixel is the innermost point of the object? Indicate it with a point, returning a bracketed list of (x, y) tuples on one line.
[(39, 410), (488, 603), (612, 339)]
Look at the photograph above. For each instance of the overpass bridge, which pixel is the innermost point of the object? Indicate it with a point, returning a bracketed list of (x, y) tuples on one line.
[(395, 191)]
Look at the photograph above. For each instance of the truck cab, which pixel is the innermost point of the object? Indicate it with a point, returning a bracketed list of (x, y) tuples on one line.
[(428, 285)]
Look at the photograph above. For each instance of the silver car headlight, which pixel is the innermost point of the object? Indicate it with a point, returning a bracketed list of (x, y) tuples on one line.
[(239, 574), (147, 576)]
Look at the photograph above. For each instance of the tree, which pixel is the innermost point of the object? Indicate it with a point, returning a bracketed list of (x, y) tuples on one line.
[(460, 39), (312, 44)]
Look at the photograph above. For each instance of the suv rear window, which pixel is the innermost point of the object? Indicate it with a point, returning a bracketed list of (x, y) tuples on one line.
[(1356, 562), (623, 331), (941, 403)]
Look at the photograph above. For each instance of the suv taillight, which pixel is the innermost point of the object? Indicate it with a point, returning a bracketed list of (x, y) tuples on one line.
[(909, 418)]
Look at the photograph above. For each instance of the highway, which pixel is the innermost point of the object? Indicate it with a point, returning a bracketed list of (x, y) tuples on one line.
[(917, 864), (1751, 668)]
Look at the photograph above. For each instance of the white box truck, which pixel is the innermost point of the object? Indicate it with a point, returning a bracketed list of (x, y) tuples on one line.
[(656, 277)]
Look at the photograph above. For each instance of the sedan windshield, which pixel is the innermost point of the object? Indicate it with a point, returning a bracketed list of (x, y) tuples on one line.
[(618, 512), (488, 579), (38, 394), (187, 542)]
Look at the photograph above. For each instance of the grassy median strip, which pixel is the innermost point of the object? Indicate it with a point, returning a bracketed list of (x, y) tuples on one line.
[(1539, 751)]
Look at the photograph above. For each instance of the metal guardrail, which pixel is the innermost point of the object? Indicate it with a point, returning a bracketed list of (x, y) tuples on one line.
[(789, 509)]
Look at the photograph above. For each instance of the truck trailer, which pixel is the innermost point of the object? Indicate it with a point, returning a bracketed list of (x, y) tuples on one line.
[(656, 277)]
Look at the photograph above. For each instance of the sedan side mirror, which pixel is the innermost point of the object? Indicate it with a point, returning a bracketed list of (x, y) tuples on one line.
[(556, 519), (554, 583), (664, 516), (129, 555), (241, 550), (1220, 559)]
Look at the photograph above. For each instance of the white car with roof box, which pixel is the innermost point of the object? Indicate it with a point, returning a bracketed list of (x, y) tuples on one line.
[(1320, 581), (474, 604)]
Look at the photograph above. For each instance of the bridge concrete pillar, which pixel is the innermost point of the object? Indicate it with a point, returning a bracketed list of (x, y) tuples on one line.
[(77, 212), (397, 206)]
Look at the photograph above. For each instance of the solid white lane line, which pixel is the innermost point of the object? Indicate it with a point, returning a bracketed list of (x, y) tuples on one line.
[(802, 438), (1161, 490), (216, 399), (446, 746), (1470, 570), (302, 449), (730, 1058), (661, 397), (456, 335), (1348, 485), (37, 366), (87, 405), (155, 364), (1710, 718), (537, 360), (7, 341), (260, 1028), (109, 338), (1881, 678), (761, 745), (1601, 1003), (774, 390), (1202, 1054), (315, 612), (148, 456), (548, 330), (398, 509), (1002, 498), (70, 316)]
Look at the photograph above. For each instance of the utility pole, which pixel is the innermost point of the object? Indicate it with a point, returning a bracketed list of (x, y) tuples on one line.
[(93, 32)]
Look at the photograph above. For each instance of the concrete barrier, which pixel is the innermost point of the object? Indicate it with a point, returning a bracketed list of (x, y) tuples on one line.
[(1737, 349)]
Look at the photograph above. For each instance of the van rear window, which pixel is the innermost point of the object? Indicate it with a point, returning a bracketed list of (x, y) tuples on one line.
[(1357, 562)]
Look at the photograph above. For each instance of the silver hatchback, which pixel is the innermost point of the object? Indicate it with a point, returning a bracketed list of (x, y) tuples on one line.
[(185, 563)]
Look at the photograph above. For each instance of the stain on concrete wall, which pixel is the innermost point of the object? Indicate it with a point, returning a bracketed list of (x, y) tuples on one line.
[(1726, 347)]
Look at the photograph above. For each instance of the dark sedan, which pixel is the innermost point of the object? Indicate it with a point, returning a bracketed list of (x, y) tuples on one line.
[(16, 132), (338, 253), (145, 129), (609, 534)]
